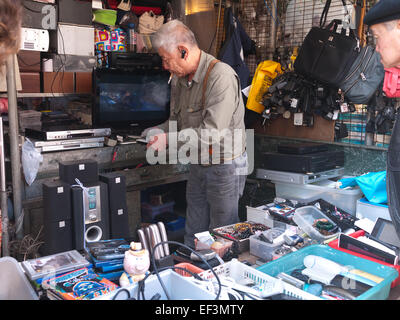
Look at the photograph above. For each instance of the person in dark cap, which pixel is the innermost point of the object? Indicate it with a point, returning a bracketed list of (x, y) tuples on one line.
[(384, 21)]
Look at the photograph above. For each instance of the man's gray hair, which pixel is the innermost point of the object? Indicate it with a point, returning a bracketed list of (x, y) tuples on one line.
[(390, 25), (172, 34)]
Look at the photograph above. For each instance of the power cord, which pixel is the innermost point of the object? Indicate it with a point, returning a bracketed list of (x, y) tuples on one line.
[(142, 282), (156, 270)]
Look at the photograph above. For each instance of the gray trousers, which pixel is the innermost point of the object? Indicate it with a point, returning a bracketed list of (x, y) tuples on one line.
[(212, 195)]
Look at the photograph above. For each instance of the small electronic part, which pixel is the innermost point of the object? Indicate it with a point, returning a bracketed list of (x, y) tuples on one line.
[(291, 280), (292, 240), (272, 288), (205, 254)]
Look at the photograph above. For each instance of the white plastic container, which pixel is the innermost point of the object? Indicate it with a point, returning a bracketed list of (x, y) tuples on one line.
[(304, 217), (14, 284), (242, 273), (372, 211), (177, 287), (345, 199)]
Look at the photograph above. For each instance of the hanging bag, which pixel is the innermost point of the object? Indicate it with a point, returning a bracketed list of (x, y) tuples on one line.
[(150, 23), (327, 55), (364, 77)]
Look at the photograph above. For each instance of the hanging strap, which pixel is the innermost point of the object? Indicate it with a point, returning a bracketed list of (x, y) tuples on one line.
[(325, 11), (210, 67)]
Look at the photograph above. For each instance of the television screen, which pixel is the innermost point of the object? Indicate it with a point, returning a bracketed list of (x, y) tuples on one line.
[(136, 98)]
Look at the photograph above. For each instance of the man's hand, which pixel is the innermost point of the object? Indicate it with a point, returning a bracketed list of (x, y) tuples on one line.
[(158, 142)]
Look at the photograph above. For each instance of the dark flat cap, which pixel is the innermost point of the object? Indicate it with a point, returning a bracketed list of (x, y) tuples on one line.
[(384, 10)]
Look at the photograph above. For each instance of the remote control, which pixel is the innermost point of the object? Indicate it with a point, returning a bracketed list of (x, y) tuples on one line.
[(272, 288)]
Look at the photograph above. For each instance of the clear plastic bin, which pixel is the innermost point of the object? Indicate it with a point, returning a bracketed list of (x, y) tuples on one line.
[(304, 217), (345, 199), (263, 249), (14, 284)]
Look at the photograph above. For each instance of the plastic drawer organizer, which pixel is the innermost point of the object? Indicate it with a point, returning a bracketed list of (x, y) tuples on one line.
[(294, 260), (345, 199)]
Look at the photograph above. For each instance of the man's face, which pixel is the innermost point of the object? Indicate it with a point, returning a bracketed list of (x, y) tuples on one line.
[(173, 62), (387, 44)]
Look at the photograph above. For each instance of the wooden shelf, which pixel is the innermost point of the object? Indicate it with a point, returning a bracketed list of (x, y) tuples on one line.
[(45, 95)]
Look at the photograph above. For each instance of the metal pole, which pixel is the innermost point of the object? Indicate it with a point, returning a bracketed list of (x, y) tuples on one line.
[(218, 20), (14, 145), (3, 190), (272, 43)]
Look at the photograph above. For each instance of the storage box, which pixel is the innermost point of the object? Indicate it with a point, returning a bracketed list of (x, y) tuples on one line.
[(14, 284), (30, 82), (29, 61), (372, 211), (176, 224), (263, 249), (39, 15), (335, 245), (177, 287), (345, 199), (61, 82), (223, 231), (73, 39), (149, 212), (242, 273), (261, 215), (304, 217), (83, 82), (75, 12), (294, 260)]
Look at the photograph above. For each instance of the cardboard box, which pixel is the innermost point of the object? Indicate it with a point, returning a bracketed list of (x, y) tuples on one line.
[(30, 82), (83, 82), (61, 82), (29, 61)]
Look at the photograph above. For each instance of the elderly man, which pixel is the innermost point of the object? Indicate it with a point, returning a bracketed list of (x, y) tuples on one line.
[(384, 21), (206, 103)]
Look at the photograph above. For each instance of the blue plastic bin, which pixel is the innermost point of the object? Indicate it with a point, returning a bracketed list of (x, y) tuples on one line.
[(176, 224), (294, 260)]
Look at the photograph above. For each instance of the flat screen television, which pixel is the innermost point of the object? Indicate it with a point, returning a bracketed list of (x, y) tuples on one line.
[(130, 99)]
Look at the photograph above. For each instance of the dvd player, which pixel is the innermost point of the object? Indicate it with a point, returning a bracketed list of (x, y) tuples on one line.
[(298, 178), (49, 135), (70, 144)]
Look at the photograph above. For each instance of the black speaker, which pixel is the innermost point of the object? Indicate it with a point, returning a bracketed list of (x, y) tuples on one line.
[(56, 200), (94, 224), (86, 171), (118, 209), (57, 217), (57, 237)]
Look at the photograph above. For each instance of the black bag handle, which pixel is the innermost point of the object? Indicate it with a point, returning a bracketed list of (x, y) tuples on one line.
[(325, 11), (333, 25)]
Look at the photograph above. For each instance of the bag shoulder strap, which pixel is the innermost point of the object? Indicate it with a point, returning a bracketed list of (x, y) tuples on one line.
[(325, 11), (210, 67)]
